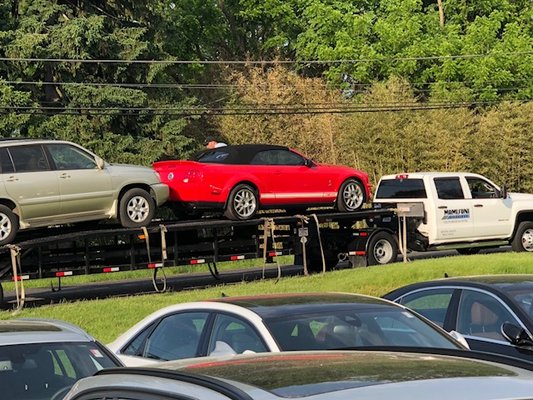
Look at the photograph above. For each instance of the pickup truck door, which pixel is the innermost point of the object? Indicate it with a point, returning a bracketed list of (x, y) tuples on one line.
[(453, 211), (490, 212)]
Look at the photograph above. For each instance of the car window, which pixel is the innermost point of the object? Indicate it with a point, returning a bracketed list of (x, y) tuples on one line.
[(401, 189), (277, 157), (68, 157), (356, 328), (5, 161), (233, 335), (432, 303), (176, 336), (449, 188), (482, 315), (39, 371), (481, 189), (218, 155), (29, 158)]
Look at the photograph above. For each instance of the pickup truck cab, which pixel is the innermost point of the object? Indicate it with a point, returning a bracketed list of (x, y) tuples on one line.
[(464, 211)]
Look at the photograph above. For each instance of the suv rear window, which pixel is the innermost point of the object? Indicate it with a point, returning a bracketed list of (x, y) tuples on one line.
[(401, 189)]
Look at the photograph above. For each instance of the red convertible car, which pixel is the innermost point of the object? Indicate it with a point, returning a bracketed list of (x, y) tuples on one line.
[(242, 179)]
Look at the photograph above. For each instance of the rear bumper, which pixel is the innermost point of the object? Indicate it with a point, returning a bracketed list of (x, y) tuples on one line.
[(160, 192)]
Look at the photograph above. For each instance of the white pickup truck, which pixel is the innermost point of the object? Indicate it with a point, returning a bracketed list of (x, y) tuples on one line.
[(461, 211)]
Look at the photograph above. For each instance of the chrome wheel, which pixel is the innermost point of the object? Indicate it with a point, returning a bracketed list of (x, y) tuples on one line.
[(527, 240), (5, 226), (138, 209), (383, 251), (352, 196), (244, 203)]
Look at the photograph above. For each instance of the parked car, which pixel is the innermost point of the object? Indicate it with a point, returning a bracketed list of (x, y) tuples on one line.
[(322, 375), (494, 313), (242, 179), (41, 359), (51, 182), (273, 323)]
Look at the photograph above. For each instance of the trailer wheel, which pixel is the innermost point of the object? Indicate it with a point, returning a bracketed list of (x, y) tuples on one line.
[(242, 203), (523, 238), (351, 196), (136, 208), (382, 249), (9, 225)]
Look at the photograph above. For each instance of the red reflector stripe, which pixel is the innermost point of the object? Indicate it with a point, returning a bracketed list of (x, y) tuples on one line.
[(155, 265), (357, 253), (199, 261), (111, 269), (64, 273), (234, 258), (21, 277), (364, 234), (274, 253)]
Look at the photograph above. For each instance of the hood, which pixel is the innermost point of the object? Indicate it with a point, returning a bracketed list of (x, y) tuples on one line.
[(127, 168), (521, 196)]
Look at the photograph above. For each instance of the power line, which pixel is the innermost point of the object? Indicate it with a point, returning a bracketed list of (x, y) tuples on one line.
[(208, 86), (245, 111), (263, 62)]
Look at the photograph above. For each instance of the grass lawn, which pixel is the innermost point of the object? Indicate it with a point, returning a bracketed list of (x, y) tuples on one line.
[(105, 319)]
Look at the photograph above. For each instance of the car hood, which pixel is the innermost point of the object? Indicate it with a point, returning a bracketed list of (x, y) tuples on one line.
[(129, 169)]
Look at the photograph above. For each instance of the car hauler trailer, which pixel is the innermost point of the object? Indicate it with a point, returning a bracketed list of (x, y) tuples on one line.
[(317, 241)]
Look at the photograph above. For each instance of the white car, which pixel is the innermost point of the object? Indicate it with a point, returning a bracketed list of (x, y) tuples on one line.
[(274, 323)]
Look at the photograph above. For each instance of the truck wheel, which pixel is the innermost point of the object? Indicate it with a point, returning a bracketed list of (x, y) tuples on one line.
[(382, 249), (351, 196), (242, 203), (136, 208), (9, 225), (523, 238)]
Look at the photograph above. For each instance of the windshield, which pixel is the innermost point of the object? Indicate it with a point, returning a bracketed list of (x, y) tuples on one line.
[(371, 327), (44, 371)]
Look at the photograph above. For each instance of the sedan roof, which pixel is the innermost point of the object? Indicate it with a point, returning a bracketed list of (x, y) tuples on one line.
[(503, 282), (25, 331), (236, 154), (281, 305), (331, 375)]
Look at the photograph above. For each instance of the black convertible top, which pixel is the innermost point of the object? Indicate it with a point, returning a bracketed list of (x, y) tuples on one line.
[(236, 154)]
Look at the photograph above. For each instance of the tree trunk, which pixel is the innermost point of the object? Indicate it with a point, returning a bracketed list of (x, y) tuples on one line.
[(441, 13)]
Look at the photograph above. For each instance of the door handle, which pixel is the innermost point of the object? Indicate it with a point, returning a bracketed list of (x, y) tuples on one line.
[(443, 207), (64, 176), (12, 179), (478, 205)]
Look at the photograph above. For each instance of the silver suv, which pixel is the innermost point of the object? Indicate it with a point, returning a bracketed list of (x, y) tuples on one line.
[(41, 359), (51, 182)]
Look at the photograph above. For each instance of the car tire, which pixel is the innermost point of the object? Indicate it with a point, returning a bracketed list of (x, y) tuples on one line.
[(9, 225), (382, 249), (351, 196), (242, 203), (467, 251), (523, 238), (136, 208)]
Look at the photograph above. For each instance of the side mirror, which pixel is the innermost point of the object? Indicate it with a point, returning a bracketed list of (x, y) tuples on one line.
[(503, 192), (309, 163), (516, 335), (100, 163)]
